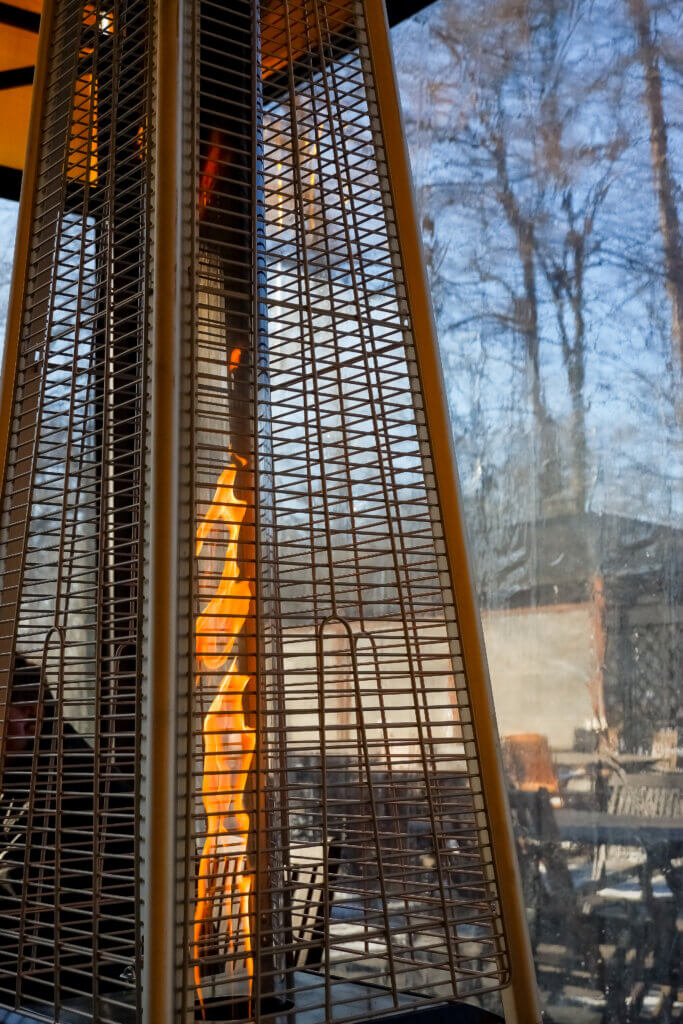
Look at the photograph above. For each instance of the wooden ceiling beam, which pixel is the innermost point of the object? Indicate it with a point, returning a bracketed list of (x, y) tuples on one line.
[(17, 17), (14, 78)]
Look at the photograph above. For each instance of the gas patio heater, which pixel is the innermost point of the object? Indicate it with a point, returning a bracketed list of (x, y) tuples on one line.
[(249, 762)]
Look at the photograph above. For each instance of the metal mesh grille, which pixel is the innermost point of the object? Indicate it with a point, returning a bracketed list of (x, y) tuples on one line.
[(333, 853), (341, 865), (72, 515)]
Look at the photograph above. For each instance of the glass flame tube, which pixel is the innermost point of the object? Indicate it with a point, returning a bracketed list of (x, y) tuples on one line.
[(233, 929), (225, 877)]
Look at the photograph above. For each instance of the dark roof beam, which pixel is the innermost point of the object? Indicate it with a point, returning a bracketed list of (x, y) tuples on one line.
[(399, 10), (14, 78), (10, 183), (17, 17)]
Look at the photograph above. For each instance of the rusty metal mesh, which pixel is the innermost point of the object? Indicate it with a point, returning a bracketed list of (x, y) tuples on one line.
[(344, 869), (71, 533), (334, 859)]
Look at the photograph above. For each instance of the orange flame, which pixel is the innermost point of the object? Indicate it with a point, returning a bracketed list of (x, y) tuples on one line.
[(228, 740), (212, 165)]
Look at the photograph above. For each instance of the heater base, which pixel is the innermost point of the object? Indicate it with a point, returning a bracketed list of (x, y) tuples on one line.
[(365, 1000), (446, 1013), (222, 1010)]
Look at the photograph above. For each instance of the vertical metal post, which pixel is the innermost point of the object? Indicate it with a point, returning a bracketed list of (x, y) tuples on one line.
[(159, 921), (520, 999)]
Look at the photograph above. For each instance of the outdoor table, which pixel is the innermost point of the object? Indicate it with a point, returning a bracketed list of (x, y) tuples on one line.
[(600, 827)]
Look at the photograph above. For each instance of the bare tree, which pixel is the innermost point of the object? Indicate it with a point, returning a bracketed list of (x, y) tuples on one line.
[(533, 172), (665, 185)]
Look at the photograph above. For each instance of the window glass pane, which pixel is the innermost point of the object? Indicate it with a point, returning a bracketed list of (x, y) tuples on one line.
[(8, 224), (547, 152)]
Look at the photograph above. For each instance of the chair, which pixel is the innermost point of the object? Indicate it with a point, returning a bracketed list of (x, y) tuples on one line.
[(583, 944), (659, 887)]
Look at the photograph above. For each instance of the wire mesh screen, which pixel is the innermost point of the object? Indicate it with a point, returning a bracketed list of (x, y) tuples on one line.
[(333, 859), (71, 533), (339, 865)]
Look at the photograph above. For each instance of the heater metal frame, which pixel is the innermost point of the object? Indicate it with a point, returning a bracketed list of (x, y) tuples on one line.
[(163, 787), (520, 998), (15, 512), (160, 804)]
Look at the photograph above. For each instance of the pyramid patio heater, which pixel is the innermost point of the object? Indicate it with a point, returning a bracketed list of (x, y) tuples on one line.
[(249, 761)]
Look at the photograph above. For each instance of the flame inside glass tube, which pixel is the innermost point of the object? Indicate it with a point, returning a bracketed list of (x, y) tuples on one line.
[(225, 882)]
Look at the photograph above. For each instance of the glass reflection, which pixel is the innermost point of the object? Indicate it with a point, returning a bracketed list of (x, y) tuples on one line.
[(545, 140), (8, 224)]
